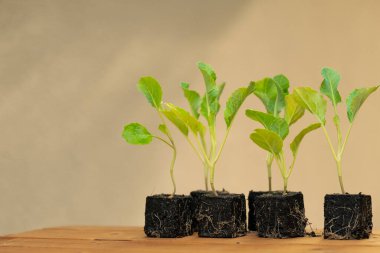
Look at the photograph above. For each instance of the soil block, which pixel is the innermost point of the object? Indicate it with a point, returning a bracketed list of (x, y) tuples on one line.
[(280, 215), (251, 206), (167, 216), (347, 216), (196, 196), (222, 216)]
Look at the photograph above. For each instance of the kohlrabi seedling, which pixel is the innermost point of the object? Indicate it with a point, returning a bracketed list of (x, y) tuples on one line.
[(137, 134), (314, 102), (276, 127), (273, 100), (208, 107)]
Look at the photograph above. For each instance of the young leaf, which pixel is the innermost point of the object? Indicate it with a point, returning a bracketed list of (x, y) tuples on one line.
[(356, 99), (163, 129), (208, 75), (136, 134), (297, 140), (293, 111), (329, 86), (234, 102), (152, 90), (172, 117), (187, 119), (312, 101), (270, 122), (270, 93), (210, 103), (283, 82), (267, 140), (193, 98)]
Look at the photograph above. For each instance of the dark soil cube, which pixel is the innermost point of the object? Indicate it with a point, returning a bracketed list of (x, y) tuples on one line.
[(251, 206), (167, 216), (280, 216), (222, 216), (196, 196), (347, 216)]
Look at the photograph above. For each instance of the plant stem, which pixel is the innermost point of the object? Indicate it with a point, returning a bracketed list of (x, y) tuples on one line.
[(269, 169), (345, 140), (212, 157), (159, 138), (206, 172), (222, 146), (329, 141), (212, 170), (285, 185), (174, 152), (172, 170), (339, 167)]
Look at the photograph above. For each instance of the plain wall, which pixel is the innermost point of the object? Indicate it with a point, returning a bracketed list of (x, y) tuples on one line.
[(68, 75)]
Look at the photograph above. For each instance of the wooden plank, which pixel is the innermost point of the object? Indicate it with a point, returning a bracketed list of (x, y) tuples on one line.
[(121, 239)]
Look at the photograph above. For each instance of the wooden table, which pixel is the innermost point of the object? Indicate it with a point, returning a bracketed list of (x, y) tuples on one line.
[(132, 239)]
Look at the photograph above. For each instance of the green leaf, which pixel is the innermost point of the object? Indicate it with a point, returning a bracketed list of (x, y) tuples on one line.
[(293, 111), (312, 101), (151, 90), (136, 134), (356, 99), (187, 119), (297, 140), (271, 93), (210, 104), (209, 75), (234, 102), (172, 117), (329, 86), (283, 82), (163, 129), (193, 98), (270, 122), (267, 140)]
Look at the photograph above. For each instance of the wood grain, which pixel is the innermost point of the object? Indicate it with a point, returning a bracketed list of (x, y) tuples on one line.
[(132, 239)]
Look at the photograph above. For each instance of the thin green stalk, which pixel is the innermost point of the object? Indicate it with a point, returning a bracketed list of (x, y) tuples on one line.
[(269, 169), (345, 140), (282, 166), (222, 146), (329, 141), (212, 172), (339, 167), (206, 172), (196, 150), (174, 152), (172, 170), (159, 138)]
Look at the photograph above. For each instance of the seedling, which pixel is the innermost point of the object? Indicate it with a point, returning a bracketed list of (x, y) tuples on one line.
[(137, 134), (208, 107), (314, 102), (276, 127), (273, 100)]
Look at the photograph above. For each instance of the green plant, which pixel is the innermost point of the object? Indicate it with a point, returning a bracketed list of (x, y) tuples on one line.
[(314, 102), (208, 107), (137, 134), (273, 99), (276, 126)]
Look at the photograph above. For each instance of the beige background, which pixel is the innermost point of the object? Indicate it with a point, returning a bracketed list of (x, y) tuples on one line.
[(68, 74)]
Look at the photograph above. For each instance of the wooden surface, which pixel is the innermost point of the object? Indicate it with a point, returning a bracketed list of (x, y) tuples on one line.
[(132, 239)]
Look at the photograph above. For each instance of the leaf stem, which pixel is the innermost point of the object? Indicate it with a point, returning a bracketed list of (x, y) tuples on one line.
[(222, 146), (269, 170), (159, 138), (329, 141), (174, 152), (172, 170), (345, 140)]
